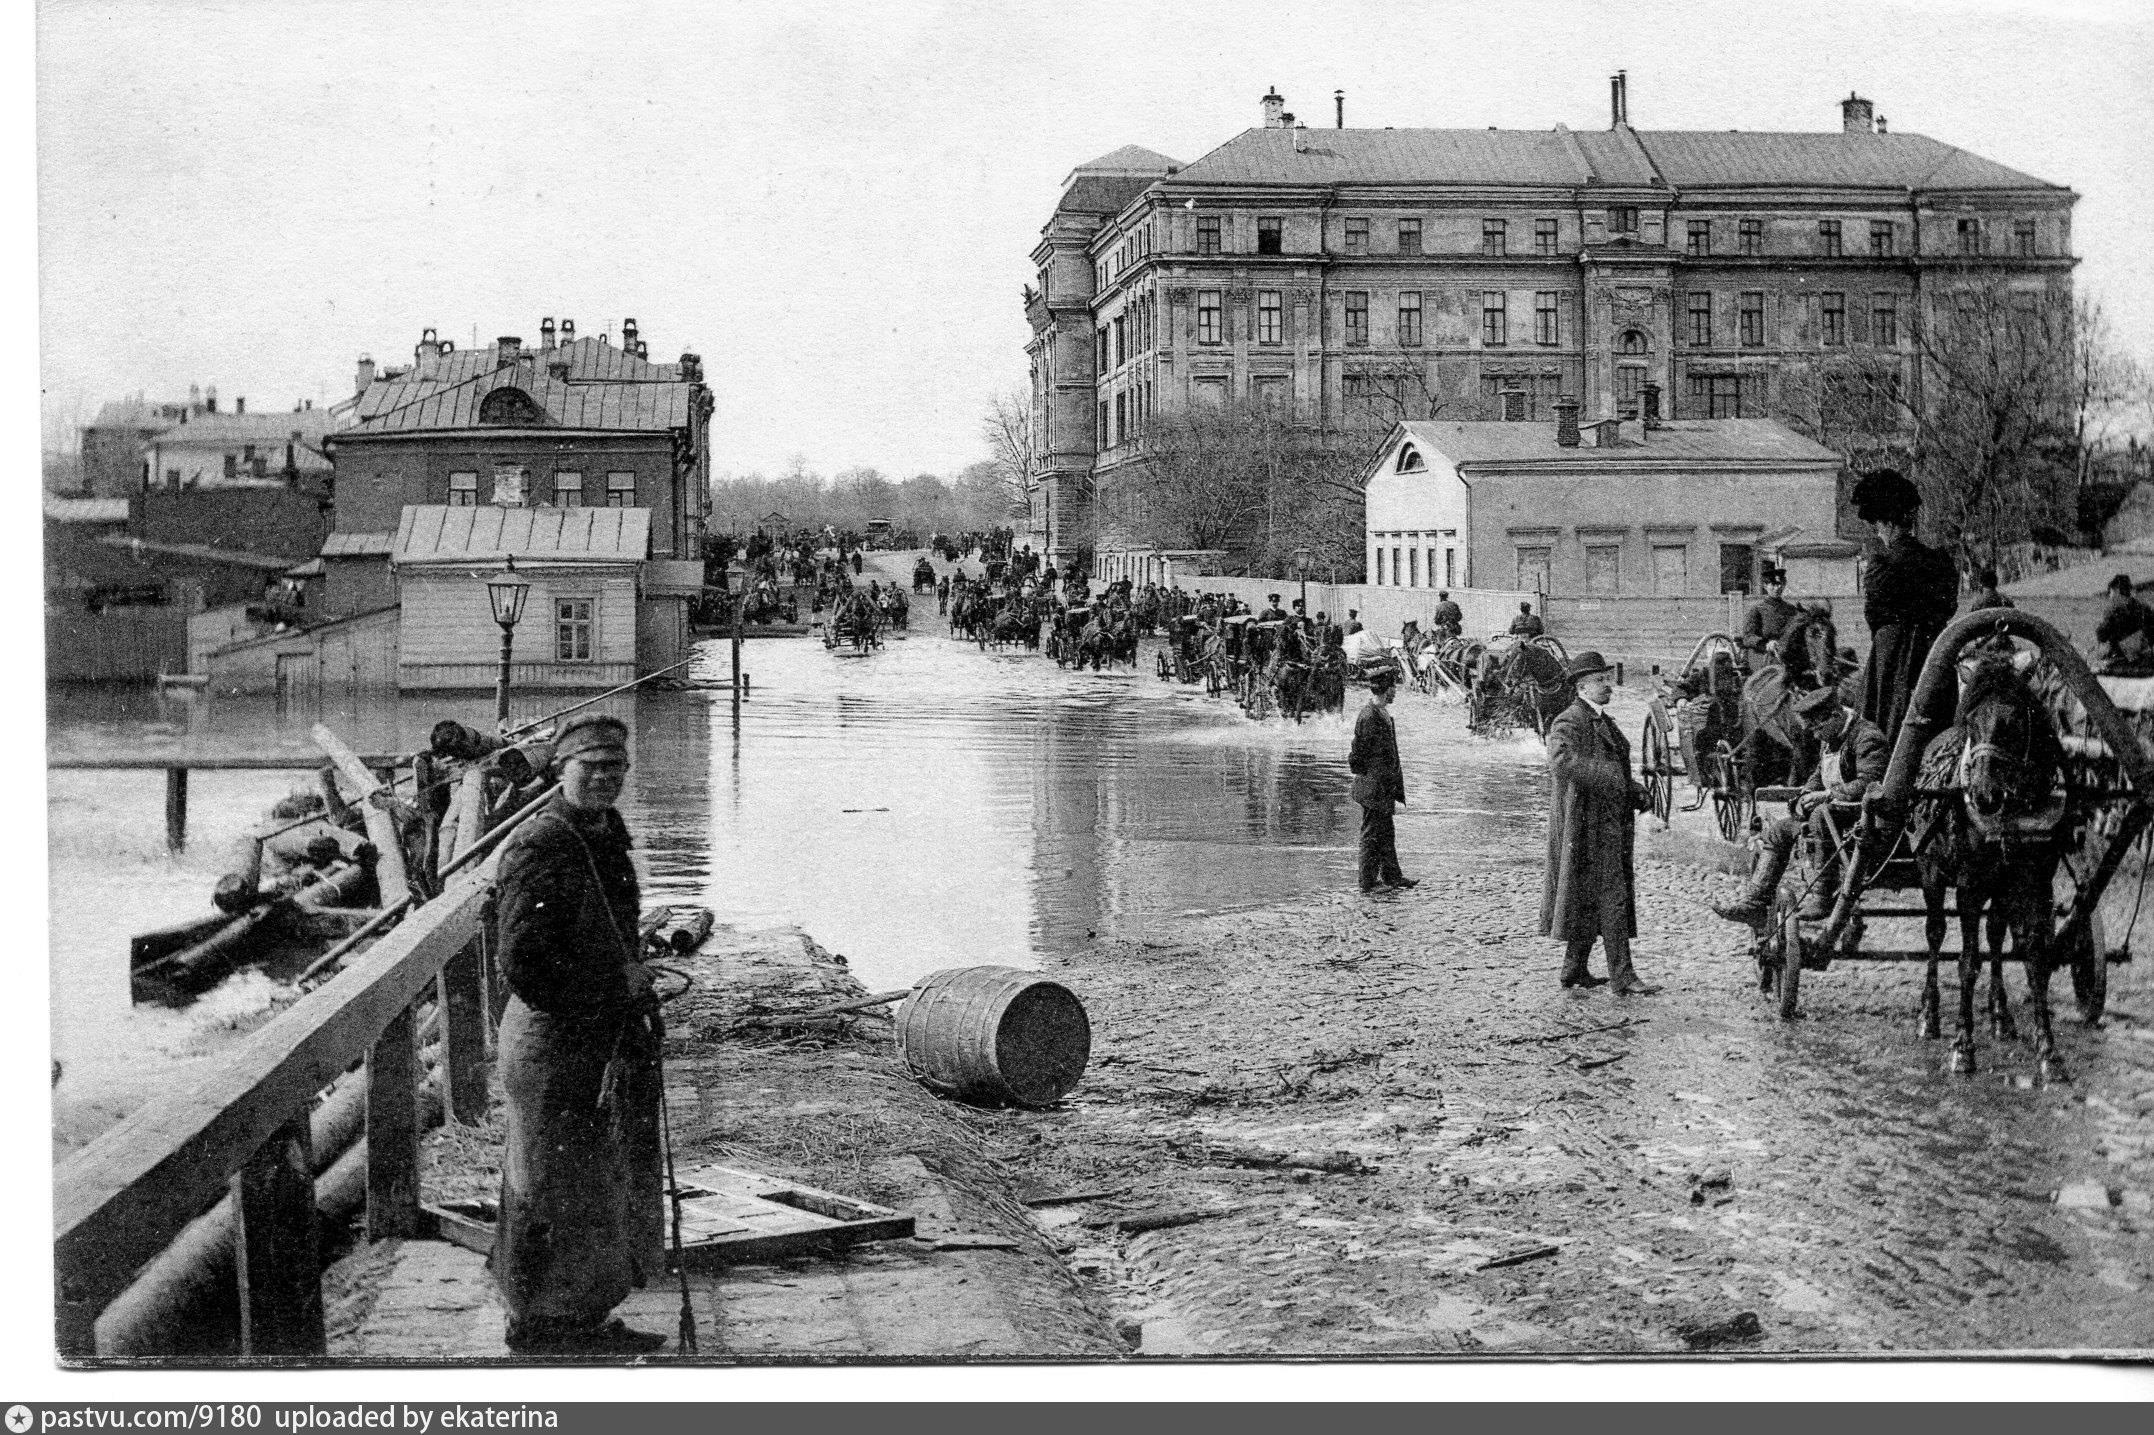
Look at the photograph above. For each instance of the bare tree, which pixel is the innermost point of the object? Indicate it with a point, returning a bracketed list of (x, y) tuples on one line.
[(1013, 442)]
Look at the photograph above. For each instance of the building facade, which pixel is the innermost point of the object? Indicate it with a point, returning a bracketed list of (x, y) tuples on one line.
[(1356, 277), (136, 445)]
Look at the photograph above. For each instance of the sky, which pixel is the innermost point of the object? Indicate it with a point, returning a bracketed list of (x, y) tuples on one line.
[(835, 205)]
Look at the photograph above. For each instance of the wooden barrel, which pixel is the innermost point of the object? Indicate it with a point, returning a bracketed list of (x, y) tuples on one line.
[(995, 1034)]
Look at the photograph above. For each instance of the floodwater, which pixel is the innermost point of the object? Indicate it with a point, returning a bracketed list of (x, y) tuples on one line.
[(928, 805)]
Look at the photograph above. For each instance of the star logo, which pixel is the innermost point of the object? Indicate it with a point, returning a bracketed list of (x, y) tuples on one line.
[(18, 1418)]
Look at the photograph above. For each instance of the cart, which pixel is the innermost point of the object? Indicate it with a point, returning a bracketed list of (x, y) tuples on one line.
[(2107, 781), (1669, 745), (1502, 691)]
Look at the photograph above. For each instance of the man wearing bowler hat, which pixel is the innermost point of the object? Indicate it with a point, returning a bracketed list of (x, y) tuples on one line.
[(1378, 783), (1588, 889)]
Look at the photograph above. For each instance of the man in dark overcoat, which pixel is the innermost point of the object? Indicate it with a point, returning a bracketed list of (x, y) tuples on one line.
[(1378, 784), (1767, 619), (1911, 593), (1525, 625), (1588, 889), (582, 1205)]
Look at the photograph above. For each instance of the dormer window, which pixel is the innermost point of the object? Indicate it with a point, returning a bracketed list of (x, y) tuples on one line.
[(511, 408), (1410, 460), (1623, 219)]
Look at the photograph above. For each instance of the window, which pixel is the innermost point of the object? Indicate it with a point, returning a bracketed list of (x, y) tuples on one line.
[(1413, 567), (1267, 316), (1398, 574), (567, 488), (1604, 568), (1828, 238), (1208, 234), (1357, 316), (1970, 231), (1701, 319), (1885, 321), (1832, 308), (1409, 236), (1632, 342), (1495, 323), (1120, 432), (620, 490), (1357, 236), (231, 465), (572, 629), (1544, 317), (1271, 235), (1533, 569), (1738, 562), (1881, 239), (1750, 237), (1410, 318), (1700, 241), (1671, 568), (1494, 237), (1753, 316), (1379, 567), (1630, 390), (1207, 316), (1622, 219), (1450, 567), (1716, 396), (1544, 236), (1514, 406), (1100, 437), (464, 490), (1099, 350), (2023, 239)]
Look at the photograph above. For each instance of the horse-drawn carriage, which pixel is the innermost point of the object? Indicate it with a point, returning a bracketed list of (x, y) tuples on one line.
[(1276, 672), (1693, 728), (923, 576), (855, 628), (1516, 681), (2023, 810)]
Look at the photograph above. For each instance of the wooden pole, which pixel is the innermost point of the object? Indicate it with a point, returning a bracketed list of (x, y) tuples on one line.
[(176, 805), (740, 613), (381, 830), (277, 1255), (461, 987), (392, 1132)]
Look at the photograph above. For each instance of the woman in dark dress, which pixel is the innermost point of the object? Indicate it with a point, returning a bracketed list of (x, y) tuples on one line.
[(1911, 593)]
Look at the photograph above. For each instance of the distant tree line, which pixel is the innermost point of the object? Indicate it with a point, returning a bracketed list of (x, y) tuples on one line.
[(977, 498)]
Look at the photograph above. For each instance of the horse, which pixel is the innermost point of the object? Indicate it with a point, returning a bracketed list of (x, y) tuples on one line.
[(1776, 749), (1993, 831), (1527, 676)]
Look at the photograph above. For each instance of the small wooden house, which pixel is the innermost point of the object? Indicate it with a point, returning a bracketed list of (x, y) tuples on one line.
[(580, 622)]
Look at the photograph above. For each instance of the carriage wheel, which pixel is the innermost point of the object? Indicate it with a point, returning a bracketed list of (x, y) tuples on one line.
[(1659, 783), (1476, 710), (2090, 973), (1790, 981)]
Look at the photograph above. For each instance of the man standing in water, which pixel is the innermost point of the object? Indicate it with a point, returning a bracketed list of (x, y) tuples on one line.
[(1378, 783), (1588, 890), (582, 1216)]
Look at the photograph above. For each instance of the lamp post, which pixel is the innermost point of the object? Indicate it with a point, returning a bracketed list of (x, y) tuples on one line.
[(506, 591), (1301, 561)]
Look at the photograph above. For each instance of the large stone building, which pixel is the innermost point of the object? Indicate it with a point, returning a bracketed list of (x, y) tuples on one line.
[(136, 445), (1480, 274)]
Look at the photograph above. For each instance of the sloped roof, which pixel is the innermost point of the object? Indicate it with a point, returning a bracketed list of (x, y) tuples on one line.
[(85, 510), (198, 553), (436, 533), (358, 545), (262, 429), (1724, 440), (410, 404), (1129, 159), (1684, 158)]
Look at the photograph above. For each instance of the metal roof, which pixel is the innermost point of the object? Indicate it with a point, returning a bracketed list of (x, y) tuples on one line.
[(198, 552), (404, 406), (85, 510), (1694, 440), (358, 545), (436, 533), (1561, 156)]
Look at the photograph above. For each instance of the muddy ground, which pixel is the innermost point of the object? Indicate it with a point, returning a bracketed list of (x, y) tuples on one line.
[(1668, 1173)]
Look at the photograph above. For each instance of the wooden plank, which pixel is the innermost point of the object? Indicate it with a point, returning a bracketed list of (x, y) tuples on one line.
[(389, 870), (470, 811), (175, 807), (392, 1132), (152, 762), (119, 1200), (462, 1003), (275, 1248)]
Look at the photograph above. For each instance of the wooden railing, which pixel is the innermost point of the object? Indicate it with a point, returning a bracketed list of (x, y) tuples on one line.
[(244, 1129)]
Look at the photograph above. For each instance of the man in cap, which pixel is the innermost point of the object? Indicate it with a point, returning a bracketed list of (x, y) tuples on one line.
[(2126, 629), (1912, 591), (581, 1201), (1525, 625), (1855, 755), (1272, 613), (1767, 619), (1378, 783), (1588, 889), (1449, 620)]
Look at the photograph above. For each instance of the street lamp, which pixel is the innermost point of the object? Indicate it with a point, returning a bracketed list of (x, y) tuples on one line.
[(1301, 561), (506, 592)]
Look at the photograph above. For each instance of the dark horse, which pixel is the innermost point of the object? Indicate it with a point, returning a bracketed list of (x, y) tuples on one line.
[(1518, 682), (1776, 748), (1997, 843)]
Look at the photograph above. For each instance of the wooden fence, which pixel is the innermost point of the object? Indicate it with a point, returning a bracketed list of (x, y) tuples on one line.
[(119, 645)]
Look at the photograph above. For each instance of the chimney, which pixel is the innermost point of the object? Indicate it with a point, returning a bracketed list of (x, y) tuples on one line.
[(692, 368), (1274, 110), (628, 335), (1619, 99), (239, 405), (1652, 406), (1338, 101), (366, 372), (429, 347), (209, 399), (546, 333), (1880, 124), (568, 331), (1855, 114), (507, 350), (194, 396), (1301, 139), (1566, 421)]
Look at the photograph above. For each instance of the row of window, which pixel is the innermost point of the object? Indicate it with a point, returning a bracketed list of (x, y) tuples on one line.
[(567, 490), (1406, 567), (1832, 318), (1131, 332), (1407, 331), (1126, 416), (1406, 236), (1670, 568)]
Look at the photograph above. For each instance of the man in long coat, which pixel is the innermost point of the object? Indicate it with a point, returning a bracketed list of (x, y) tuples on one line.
[(1378, 784), (1911, 593), (582, 1213), (1767, 619), (1588, 889)]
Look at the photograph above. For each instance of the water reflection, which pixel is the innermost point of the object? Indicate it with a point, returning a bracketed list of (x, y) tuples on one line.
[(928, 806)]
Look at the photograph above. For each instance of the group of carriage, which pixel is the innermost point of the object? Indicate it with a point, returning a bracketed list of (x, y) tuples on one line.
[(1267, 665), (2017, 791), (861, 617)]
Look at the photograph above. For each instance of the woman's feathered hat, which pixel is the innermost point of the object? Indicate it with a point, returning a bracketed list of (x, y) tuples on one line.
[(1886, 497)]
